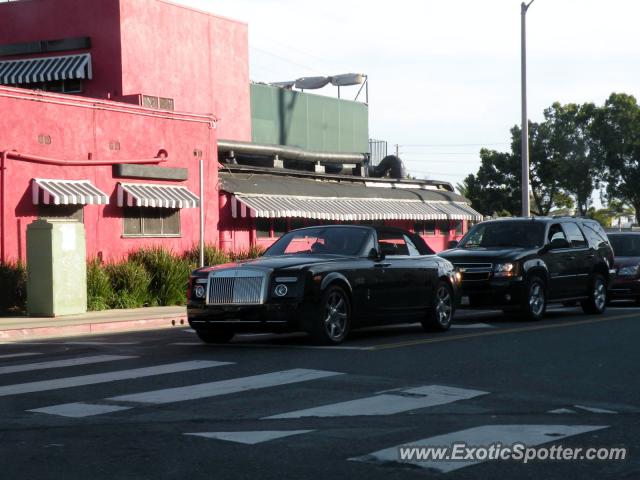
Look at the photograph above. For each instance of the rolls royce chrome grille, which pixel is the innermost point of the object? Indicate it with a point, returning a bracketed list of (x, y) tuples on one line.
[(236, 290)]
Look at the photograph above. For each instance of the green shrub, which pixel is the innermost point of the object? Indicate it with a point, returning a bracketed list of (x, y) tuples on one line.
[(130, 282), (212, 256), (169, 275), (13, 287), (253, 252), (99, 289)]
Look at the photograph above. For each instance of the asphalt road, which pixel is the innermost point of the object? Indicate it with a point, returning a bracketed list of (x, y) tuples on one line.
[(161, 405)]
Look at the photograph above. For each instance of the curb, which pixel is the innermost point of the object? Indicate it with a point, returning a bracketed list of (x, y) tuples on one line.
[(92, 328)]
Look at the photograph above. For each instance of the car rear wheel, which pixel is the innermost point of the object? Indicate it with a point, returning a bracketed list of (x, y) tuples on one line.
[(215, 336), (535, 304), (440, 315), (333, 322), (597, 301)]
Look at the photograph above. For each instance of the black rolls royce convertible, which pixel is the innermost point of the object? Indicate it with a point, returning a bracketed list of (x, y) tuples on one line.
[(325, 280)]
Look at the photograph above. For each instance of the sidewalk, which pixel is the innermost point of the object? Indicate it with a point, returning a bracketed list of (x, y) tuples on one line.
[(108, 321)]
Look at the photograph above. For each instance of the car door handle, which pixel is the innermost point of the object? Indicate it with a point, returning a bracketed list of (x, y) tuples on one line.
[(381, 265), (591, 255), (571, 257)]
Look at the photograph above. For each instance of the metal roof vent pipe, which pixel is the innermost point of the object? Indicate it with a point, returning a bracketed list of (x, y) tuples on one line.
[(389, 165)]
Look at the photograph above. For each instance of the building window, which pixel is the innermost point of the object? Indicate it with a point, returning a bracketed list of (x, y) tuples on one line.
[(279, 227), (151, 222), (69, 212), (263, 227), (150, 101), (425, 228), (458, 227), (444, 227), (56, 86)]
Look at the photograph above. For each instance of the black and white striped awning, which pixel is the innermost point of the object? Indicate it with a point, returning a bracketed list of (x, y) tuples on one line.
[(66, 192), (45, 69), (349, 209), (155, 195)]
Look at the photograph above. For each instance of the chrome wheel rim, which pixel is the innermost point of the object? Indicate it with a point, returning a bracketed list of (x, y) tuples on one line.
[(444, 305), (600, 294), (536, 299), (336, 314)]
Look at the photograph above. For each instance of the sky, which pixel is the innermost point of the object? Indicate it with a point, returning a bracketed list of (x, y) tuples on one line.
[(444, 75)]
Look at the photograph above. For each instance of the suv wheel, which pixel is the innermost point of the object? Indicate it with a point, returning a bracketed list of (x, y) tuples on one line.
[(215, 336), (439, 317), (597, 301), (535, 303)]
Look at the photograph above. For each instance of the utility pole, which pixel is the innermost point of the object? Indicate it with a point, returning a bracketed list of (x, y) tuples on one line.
[(526, 210)]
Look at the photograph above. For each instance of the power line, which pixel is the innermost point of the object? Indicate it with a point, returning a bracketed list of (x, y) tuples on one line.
[(427, 145), (285, 59)]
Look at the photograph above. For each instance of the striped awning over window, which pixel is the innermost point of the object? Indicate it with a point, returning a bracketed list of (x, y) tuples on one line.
[(155, 195), (349, 209), (66, 192), (45, 69)]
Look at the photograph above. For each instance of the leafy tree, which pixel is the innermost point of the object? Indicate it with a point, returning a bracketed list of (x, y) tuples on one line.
[(496, 186), (571, 146), (617, 130)]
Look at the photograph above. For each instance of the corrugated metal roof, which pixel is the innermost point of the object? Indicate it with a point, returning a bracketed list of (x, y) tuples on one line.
[(66, 192), (155, 195), (265, 184)]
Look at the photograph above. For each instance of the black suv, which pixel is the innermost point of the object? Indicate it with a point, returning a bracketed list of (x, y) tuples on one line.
[(526, 263)]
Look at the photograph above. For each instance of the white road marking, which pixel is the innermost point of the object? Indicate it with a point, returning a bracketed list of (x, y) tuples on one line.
[(594, 409), (189, 330), (530, 435), (71, 362), (16, 355), (188, 343), (60, 383), (562, 410), (388, 403), (225, 387), (101, 343), (79, 410), (249, 438), (472, 325)]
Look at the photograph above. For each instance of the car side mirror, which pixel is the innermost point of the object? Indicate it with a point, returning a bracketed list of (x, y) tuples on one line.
[(375, 255), (452, 244)]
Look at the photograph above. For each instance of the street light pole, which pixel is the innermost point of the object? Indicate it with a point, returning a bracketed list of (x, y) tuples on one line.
[(526, 211)]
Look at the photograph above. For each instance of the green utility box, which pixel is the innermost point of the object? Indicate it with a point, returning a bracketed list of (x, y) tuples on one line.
[(56, 268)]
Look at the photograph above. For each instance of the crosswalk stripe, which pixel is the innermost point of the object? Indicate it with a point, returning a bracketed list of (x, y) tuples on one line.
[(17, 355), (595, 409), (70, 362), (225, 387), (486, 435), (388, 403), (60, 383), (102, 343), (249, 438), (472, 325), (79, 410)]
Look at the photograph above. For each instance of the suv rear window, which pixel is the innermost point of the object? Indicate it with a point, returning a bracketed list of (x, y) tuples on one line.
[(518, 234), (576, 238), (596, 235)]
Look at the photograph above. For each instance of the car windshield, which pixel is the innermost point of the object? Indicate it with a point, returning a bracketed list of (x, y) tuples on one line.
[(321, 241), (625, 245), (522, 234)]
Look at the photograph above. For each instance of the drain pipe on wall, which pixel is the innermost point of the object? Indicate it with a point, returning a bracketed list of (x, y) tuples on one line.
[(5, 155), (201, 213)]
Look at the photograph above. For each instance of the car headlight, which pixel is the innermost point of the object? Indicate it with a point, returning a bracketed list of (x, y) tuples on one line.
[(505, 269), (199, 291), (630, 271)]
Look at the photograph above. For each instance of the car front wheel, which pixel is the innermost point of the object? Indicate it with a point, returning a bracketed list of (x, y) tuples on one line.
[(332, 324), (440, 314), (215, 336), (535, 303), (597, 301)]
